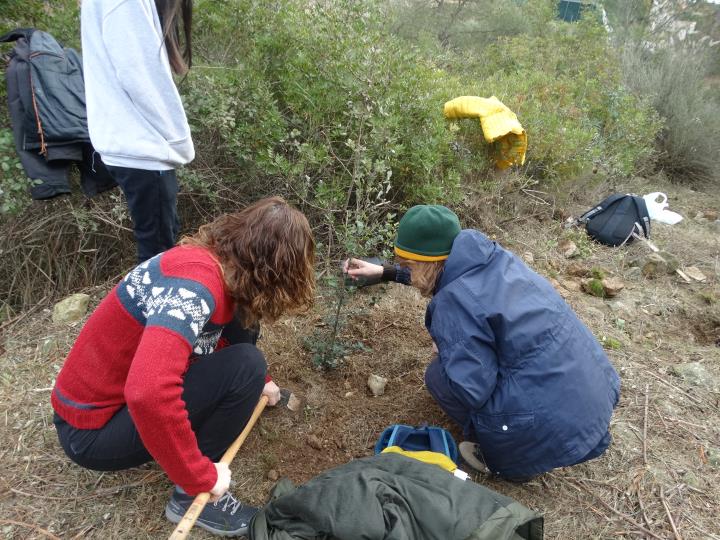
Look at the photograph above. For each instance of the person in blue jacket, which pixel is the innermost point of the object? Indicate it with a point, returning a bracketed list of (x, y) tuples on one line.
[(530, 385)]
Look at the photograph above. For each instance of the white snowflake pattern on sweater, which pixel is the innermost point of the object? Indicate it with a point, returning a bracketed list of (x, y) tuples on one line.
[(182, 305)]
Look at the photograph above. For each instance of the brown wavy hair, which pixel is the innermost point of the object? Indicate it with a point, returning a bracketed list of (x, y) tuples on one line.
[(423, 275), (267, 255)]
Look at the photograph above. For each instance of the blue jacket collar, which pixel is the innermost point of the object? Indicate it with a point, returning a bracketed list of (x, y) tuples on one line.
[(471, 249)]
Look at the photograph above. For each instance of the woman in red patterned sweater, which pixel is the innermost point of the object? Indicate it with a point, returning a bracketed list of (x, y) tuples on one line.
[(166, 369)]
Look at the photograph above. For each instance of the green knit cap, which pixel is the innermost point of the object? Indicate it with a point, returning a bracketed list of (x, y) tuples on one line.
[(426, 233)]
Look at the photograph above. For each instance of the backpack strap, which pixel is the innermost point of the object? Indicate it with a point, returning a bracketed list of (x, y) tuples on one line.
[(642, 211), (600, 207), (394, 435), (438, 442)]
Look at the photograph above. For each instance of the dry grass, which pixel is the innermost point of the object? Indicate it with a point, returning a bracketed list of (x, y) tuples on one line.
[(655, 476), (60, 246)]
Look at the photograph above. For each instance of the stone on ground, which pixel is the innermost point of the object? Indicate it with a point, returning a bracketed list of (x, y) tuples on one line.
[(314, 441), (695, 273), (694, 373), (713, 457), (577, 270), (568, 248), (612, 286), (376, 383), (71, 309)]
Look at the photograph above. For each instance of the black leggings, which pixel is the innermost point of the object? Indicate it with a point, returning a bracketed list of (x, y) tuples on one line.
[(220, 391)]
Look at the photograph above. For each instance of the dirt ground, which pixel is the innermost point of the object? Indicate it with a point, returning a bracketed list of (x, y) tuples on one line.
[(659, 479)]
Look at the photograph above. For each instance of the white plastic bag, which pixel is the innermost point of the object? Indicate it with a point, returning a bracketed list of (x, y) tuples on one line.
[(657, 209)]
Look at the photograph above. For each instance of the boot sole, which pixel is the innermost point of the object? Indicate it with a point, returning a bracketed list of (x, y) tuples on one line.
[(468, 456)]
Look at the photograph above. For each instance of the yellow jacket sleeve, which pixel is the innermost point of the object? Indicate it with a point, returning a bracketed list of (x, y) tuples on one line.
[(499, 124)]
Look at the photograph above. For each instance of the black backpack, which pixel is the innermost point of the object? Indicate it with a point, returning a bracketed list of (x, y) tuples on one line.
[(617, 220)]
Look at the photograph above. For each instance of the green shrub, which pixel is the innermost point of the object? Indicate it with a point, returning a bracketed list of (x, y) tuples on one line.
[(674, 79), (61, 18), (325, 108), (611, 343), (469, 25), (14, 184), (565, 86)]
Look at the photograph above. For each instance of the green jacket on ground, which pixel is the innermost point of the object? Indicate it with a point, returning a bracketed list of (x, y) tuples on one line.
[(392, 497)]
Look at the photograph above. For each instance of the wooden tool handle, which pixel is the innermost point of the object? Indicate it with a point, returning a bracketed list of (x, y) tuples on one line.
[(186, 523)]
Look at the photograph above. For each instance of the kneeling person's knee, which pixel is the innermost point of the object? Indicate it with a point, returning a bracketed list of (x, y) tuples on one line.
[(248, 360)]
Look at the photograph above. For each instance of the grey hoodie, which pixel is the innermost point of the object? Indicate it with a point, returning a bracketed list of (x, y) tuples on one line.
[(135, 116)]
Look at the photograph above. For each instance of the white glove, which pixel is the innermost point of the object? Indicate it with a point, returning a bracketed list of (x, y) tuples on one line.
[(223, 481), (272, 391)]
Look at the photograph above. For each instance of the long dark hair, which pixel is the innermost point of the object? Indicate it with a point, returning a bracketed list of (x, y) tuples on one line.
[(170, 13)]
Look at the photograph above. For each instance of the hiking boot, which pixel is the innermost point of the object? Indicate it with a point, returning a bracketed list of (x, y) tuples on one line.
[(225, 517), (471, 454)]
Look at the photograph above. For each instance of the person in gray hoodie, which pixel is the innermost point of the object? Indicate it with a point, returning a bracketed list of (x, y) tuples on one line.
[(135, 116)]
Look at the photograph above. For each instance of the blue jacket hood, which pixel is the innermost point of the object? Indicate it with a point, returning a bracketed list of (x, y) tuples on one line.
[(470, 249)]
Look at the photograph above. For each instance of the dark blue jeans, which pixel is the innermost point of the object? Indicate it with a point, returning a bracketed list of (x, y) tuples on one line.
[(152, 201), (220, 391)]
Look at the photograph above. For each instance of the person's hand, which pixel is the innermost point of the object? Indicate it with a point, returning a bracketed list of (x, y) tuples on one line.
[(356, 268), (223, 481), (434, 348), (272, 391)]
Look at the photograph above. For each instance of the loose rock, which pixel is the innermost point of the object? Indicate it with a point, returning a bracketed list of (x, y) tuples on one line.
[(691, 479), (376, 383), (622, 310), (594, 314), (71, 309), (568, 248), (294, 403), (671, 260), (655, 266), (570, 284), (528, 257), (577, 270), (313, 441), (627, 435), (49, 346), (659, 474), (695, 273), (694, 373), (612, 286), (272, 475), (713, 457)]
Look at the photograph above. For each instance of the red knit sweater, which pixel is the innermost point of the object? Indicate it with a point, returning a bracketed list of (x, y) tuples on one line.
[(134, 350)]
